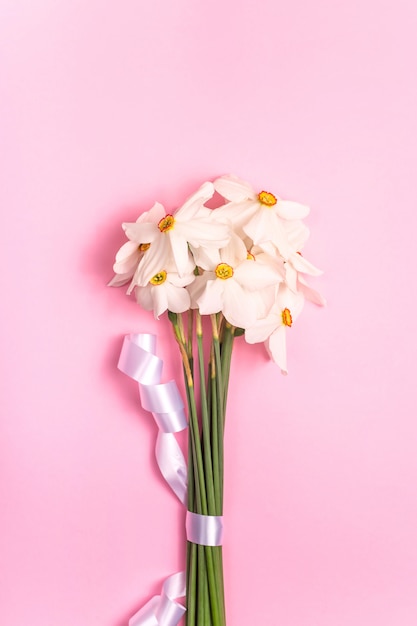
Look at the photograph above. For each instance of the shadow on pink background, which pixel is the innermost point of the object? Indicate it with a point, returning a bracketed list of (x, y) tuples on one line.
[(107, 107)]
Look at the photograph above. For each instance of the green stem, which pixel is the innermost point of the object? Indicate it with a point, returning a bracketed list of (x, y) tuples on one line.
[(217, 464), (205, 423), (228, 336), (191, 582), (190, 327), (203, 603), (205, 592)]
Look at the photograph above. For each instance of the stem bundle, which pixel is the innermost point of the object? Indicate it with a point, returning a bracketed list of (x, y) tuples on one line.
[(207, 408)]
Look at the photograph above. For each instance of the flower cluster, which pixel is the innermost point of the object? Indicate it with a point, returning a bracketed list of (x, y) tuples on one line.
[(242, 259)]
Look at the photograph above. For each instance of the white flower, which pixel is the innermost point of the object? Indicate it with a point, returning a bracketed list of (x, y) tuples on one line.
[(172, 235), (261, 215), (233, 286), (130, 254), (273, 328), (165, 291), (296, 263)]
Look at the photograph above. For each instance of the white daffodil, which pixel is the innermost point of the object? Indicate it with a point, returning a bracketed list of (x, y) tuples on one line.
[(173, 235), (165, 291), (261, 215), (131, 253), (233, 286), (296, 263), (274, 262), (273, 328)]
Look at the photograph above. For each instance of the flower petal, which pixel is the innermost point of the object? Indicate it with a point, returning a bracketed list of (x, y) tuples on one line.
[(234, 189), (193, 204), (120, 279), (127, 258), (234, 252), (255, 276), (154, 215), (289, 210), (203, 232), (178, 298), (262, 329), (211, 300), (301, 264), (277, 348), (267, 226), (179, 250), (237, 213), (144, 297), (141, 232), (155, 259), (309, 293), (159, 299), (206, 258), (291, 276), (297, 233), (239, 306), (180, 281)]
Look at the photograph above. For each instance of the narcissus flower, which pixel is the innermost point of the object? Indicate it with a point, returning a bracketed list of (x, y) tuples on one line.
[(165, 291), (234, 285), (174, 235), (242, 259), (296, 263), (273, 328), (131, 253), (260, 215)]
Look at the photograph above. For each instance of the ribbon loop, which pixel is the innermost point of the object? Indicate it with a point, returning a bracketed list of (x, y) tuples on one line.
[(205, 530), (161, 398), (138, 360), (163, 610)]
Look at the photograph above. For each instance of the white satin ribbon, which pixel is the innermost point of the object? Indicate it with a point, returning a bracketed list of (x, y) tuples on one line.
[(206, 530), (163, 610), (139, 361)]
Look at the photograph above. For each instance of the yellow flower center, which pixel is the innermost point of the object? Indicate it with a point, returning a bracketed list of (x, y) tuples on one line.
[(286, 317), (159, 278), (143, 247), (267, 198), (250, 256), (166, 223), (224, 271)]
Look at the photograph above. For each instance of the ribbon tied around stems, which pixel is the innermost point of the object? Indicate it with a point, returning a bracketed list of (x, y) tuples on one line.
[(139, 361), (206, 530)]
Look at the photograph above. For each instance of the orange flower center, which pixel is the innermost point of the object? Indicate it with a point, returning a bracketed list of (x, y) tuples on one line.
[(159, 278), (267, 198), (143, 247), (286, 317), (224, 271), (166, 223), (250, 256)]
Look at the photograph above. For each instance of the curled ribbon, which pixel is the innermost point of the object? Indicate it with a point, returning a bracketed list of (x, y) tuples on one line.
[(139, 361), (163, 610)]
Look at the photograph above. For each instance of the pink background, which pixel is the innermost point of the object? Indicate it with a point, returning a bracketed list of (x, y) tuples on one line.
[(108, 106)]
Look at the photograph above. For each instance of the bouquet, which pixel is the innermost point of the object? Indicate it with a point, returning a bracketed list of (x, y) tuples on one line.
[(218, 274)]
